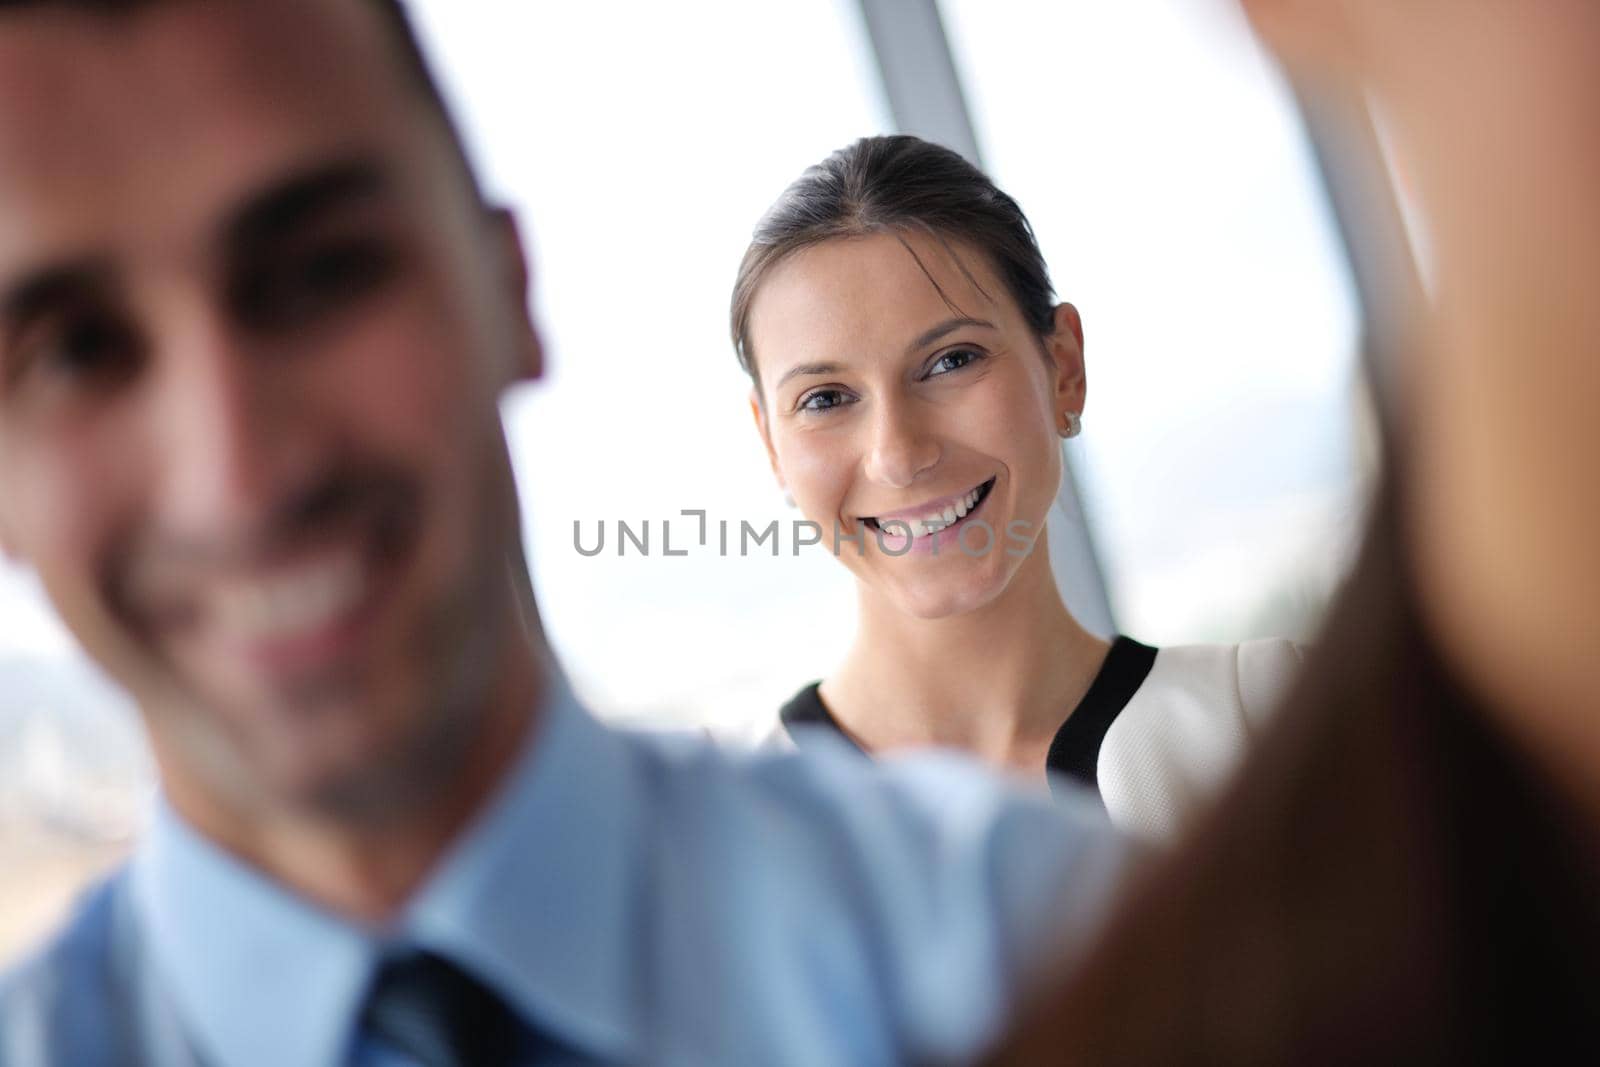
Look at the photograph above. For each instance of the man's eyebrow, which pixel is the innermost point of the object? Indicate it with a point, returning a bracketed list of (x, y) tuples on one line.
[(57, 284), (949, 326), (300, 198), (800, 369)]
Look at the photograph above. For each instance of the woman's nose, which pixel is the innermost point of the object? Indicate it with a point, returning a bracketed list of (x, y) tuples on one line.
[(901, 448)]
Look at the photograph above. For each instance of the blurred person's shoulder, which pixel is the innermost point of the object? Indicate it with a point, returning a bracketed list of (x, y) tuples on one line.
[(923, 883), (870, 912), (79, 998), (828, 789), (1188, 727)]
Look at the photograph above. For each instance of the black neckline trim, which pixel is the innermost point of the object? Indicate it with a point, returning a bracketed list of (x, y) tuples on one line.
[(1075, 752), (806, 708)]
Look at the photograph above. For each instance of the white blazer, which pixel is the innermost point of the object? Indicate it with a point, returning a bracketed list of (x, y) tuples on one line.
[(1157, 734), (1186, 729)]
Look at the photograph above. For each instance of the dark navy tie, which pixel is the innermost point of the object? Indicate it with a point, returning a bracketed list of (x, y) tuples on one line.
[(427, 1008)]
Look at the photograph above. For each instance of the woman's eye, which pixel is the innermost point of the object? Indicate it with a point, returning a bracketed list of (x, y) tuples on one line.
[(823, 400), (953, 360)]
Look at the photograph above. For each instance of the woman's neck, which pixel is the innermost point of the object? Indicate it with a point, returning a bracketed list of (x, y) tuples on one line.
[(997, 681)]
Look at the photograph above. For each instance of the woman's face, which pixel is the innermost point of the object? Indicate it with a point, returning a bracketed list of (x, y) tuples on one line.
[(889, 410)]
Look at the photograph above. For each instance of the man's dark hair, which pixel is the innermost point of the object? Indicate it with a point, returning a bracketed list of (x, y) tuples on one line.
[(391, 13)]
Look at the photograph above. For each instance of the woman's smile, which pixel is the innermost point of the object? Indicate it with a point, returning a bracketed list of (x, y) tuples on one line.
[(933, 525)]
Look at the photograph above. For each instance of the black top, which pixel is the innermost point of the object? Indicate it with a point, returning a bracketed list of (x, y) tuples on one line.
[(1075, 752)]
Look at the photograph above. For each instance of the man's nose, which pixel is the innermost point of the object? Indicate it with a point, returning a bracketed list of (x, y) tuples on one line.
[(901, 446), (233, 432)]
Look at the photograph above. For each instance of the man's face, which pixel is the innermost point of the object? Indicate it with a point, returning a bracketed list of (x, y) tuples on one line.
[(253, 324)]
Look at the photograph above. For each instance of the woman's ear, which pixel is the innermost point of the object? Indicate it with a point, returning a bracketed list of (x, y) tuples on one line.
[(759, 413), (1069, 380), (513, 268)]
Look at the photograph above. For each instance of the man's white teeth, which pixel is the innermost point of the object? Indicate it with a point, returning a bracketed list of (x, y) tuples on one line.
[(297, 601)]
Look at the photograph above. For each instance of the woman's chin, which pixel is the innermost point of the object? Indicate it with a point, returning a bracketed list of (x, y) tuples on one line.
[(949, 595)]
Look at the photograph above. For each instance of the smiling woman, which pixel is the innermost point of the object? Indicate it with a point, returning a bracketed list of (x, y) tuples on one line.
[(912, 376)]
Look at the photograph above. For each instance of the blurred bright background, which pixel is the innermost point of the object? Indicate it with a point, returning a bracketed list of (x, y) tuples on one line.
[(1166, 172)]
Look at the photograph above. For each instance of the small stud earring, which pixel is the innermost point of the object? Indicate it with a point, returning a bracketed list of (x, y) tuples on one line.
[(1074, 425), (788, 498)]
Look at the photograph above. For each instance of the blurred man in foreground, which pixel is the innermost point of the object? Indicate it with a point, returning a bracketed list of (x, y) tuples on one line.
[(254, 320)]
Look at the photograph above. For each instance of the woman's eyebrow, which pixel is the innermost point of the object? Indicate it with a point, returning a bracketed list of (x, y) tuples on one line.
[(928, 337), (807, 368)]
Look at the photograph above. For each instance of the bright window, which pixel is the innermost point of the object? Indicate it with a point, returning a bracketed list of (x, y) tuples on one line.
[(1166, 172)]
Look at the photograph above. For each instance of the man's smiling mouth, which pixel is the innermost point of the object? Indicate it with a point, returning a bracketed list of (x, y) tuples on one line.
[(297, 601)]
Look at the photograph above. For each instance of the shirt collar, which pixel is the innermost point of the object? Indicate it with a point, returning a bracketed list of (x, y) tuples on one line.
[(532, 899), (257, 975)]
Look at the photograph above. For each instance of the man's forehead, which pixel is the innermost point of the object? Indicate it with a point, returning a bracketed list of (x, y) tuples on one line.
[(192, 39), (109, 121)]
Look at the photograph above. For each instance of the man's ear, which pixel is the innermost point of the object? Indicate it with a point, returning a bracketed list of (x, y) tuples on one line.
[(759, 413), (1069, 379), (513, 270)]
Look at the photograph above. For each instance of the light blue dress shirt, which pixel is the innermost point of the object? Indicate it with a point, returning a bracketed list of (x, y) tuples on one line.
[(640, 899)]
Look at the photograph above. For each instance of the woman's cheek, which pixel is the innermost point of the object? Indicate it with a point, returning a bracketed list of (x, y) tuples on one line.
[(1022, 428), (816, 467)]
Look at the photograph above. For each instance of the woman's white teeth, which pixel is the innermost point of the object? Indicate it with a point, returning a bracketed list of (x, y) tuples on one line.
[(300, 600), (935, 521), (931, 524)]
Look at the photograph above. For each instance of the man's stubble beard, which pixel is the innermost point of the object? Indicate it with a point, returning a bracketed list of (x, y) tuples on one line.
[(461, 645), (465, 644)]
